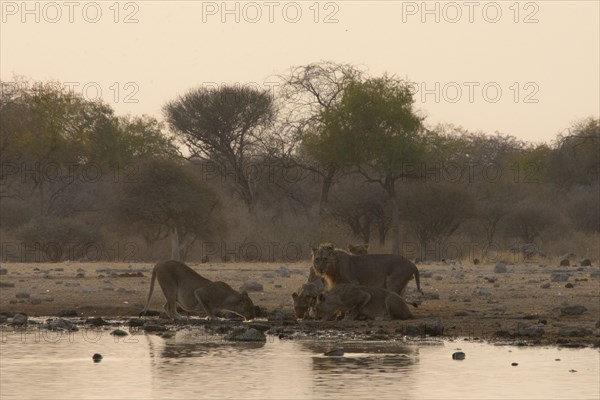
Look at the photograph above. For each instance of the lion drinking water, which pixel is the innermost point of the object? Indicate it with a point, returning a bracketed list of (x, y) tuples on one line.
[(361, 301), (184, 287)]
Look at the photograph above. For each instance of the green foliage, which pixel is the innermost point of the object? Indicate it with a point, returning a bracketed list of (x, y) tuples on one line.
[(374, 123)]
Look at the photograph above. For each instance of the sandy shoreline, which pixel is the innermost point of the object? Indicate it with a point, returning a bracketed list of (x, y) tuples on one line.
[(531, 303)]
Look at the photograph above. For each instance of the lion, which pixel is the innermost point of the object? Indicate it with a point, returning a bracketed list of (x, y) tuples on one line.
[(359, 250), (386, 271), (361, 301), (305, 299), (184, 287)]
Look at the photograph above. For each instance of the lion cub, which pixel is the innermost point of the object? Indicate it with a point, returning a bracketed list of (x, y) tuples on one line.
[(184, 287), (361, 301)]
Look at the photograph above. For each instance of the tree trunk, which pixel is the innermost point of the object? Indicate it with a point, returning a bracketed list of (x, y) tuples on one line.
[(395, 228), (325, 187), (175, 253)]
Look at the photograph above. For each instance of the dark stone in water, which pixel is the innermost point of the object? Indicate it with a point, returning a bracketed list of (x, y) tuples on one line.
[(155, 328), (259, 327), (459, 355), (67, 313), (335, 353), (136, 322), (96, 321), (97, 357), (246, 335)]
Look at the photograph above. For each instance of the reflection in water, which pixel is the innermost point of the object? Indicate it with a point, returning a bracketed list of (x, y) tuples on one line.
[(192, 365)]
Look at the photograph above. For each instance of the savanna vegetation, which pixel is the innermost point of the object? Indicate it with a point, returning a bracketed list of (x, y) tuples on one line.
[(238, 173)]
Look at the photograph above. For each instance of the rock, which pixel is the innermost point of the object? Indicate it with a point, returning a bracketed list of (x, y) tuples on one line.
[(574, 331), (35, 302), (96, 321), (573, 310), (545, 286), (119, 332), (559, 277), (283, 271), (251, 286), (80, 275), (476, 261), (19, 319), (586, 262), (430, 296), (155, 328), (259, 327), (426, 274), (97, 357), (569, 285), (6, 285), (334, 353), (136, 322), (67, 313), (246, 335), (500, 268), (490, 278), (22, 295), (458, 355), (514, 364), (438, 278), (61, 325), (572, 370), (524, 329), (277, 286), (483, 292), (80, 270), (455, 275), (564, 262), (3, 271)]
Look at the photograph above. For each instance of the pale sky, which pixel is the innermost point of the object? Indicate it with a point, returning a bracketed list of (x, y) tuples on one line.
[(528, 69)]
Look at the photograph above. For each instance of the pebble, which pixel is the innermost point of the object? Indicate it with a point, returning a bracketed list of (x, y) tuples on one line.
[(500, 268), (574, 331), (459, 355), (97, 357), (559, 277), (569, 285), (19, 319), (573, 310), (334, 353), (545, 286), (119, 332), (22, 295), (514, 364)]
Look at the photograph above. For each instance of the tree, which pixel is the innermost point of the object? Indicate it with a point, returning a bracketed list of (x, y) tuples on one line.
[(374, 128), (165, 200), (308, 91), (528, 220), (435, 211), (225, 126)]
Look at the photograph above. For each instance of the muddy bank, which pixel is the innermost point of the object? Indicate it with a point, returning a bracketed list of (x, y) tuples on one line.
[(531, 304)]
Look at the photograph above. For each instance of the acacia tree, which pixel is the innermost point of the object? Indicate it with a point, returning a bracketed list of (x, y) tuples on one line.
[(225, 126), (374, 128), (165, 200), (307, 91)]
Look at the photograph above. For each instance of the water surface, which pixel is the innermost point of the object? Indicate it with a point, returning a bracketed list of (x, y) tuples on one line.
[(193, 365)]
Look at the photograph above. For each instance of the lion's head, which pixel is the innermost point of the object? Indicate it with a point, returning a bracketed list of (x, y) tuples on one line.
[(323, 257)]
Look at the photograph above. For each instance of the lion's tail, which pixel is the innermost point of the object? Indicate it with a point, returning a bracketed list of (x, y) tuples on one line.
[(149, 294), (418, 279)]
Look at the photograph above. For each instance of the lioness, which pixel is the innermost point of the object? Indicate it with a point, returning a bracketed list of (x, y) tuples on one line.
[(359, 250), (306, 297), (184, 287), (387, 271), (365, 301)]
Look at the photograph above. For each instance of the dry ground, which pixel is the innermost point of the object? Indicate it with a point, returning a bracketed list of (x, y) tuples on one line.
[(515, 299)]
